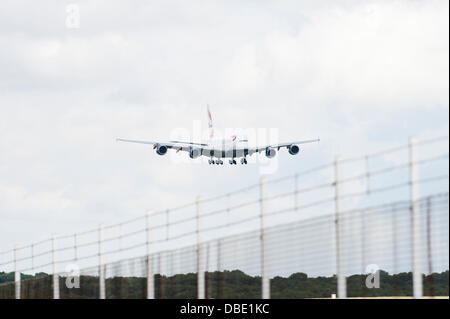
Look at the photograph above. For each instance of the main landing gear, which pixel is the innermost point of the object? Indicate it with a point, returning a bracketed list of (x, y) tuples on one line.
[(217, 162), (233, 161)]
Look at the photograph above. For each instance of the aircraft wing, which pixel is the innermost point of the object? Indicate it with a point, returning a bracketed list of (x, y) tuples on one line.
[(176, 145), (205, 149), (278, 146)]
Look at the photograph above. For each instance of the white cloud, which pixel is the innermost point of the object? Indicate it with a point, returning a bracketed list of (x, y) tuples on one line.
[(342, 71)]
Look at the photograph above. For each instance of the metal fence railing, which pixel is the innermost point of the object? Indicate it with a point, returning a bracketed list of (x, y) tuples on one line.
[(313, 234)]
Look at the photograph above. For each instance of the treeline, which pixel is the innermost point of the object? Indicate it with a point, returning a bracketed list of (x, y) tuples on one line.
[(225, 284)]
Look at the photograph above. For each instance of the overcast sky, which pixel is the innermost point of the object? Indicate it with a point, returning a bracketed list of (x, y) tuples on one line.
[(362, 75)]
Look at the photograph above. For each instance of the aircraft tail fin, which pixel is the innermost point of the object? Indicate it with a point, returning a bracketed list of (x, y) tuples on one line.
[(210, 123)]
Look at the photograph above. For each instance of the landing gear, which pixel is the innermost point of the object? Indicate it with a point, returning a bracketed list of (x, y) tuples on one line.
[(232, 161), (243, 160), (217, 162)]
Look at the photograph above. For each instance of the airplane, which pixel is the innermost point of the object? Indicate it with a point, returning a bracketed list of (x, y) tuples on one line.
[(217, 149)]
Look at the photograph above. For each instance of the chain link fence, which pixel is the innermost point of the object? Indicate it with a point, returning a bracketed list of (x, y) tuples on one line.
[(375, 225)]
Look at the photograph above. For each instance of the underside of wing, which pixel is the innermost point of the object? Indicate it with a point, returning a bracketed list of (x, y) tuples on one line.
[(176, 145), (135, 141), (198, 149), (287, 145)]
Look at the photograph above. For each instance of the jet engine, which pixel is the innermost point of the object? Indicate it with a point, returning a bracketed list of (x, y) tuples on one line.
[(293, 149), (194, 153), (161, 150), (270, 152)]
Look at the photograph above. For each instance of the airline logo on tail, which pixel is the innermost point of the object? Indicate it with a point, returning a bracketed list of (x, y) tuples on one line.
[(210, 123)]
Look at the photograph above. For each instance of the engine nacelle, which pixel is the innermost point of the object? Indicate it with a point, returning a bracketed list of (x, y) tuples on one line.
[(194, 153), (293, 149), (161, 150), (270, 152)]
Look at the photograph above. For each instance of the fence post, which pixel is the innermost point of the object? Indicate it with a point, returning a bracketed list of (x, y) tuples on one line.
[(17, 281), (415, 220), (296, 191), (55, 274), (101, 270), (75, 248), (167, 225), (32, 257), (219, 269), (367, 175), (200, 266), (150, 275), (265, 284), (429, 248), (228, 214), (341, 281)]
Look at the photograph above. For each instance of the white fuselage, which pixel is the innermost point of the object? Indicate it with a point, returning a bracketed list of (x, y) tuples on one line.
[(227, 148)]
